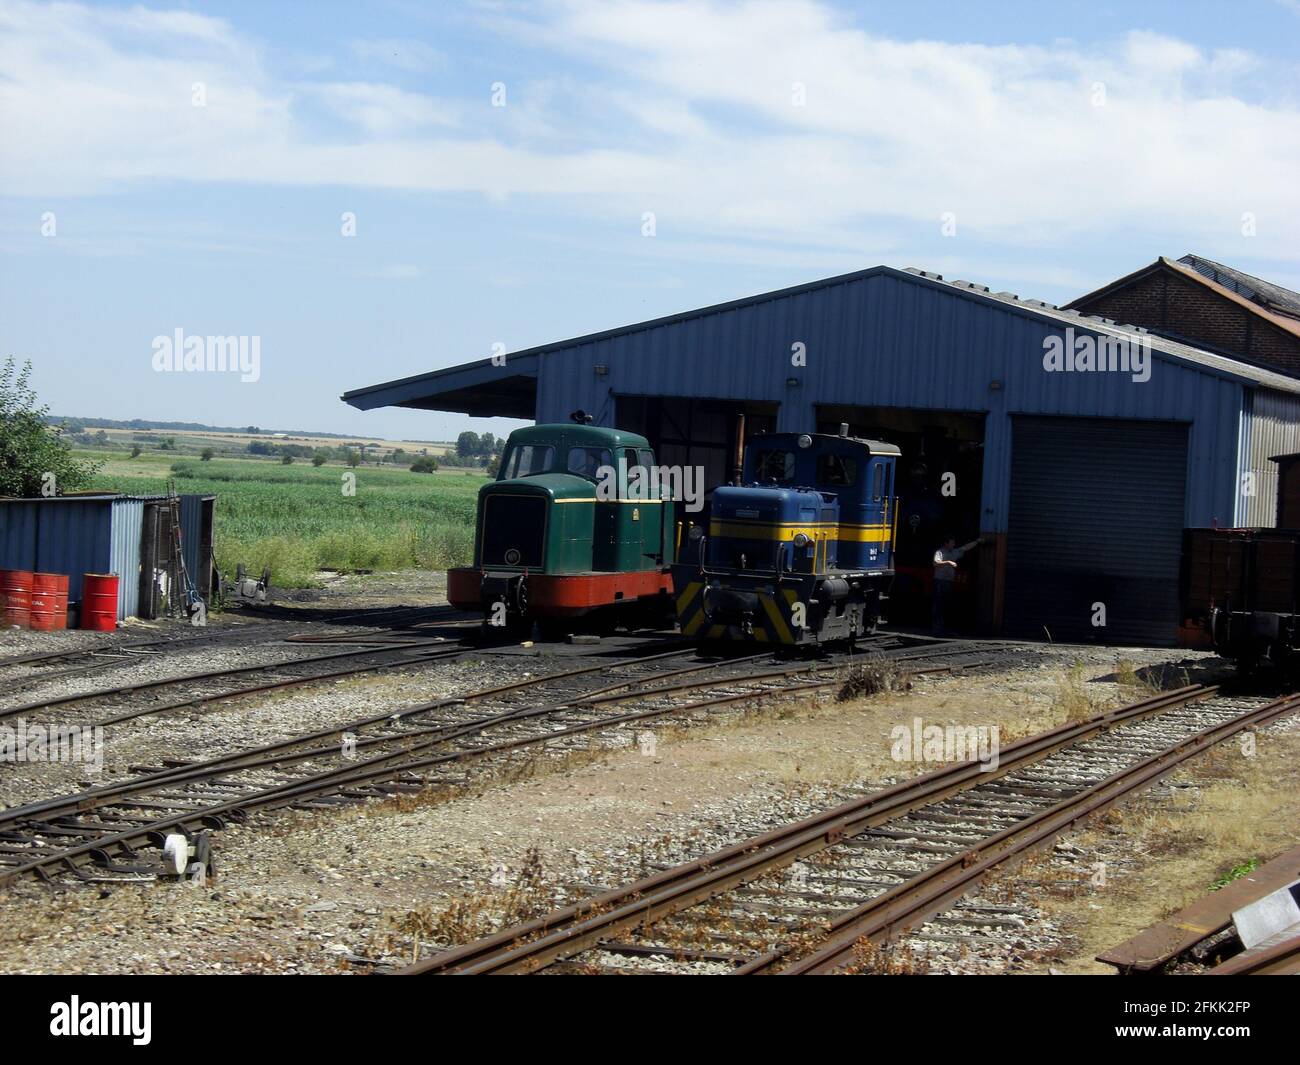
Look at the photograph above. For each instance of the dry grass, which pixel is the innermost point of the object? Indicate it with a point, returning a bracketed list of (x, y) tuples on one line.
[(1071, 700), (880, 675), (871, 960), (472, 917), (1165, 851)]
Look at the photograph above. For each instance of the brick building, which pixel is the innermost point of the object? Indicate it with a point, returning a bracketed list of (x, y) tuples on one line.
[(1200, 302)]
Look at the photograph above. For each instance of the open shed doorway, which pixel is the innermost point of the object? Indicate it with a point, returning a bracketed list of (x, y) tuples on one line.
[(696, 432), (939, 487)]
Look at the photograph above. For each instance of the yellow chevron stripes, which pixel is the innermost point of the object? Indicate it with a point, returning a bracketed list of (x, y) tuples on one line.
[(770, 626), (773, 613)]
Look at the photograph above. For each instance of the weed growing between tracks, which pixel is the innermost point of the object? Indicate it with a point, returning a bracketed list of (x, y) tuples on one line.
[(889, 960), (881, 675), (472, 917)]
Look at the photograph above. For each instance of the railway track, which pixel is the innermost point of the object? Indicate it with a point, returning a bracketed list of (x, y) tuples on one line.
[(420, 747), (817, 896), (110, 654), (284, 673)]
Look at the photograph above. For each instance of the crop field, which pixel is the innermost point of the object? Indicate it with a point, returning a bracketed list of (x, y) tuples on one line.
[(298, 520)]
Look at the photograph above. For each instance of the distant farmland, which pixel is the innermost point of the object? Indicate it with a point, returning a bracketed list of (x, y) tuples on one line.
[(297, 520)]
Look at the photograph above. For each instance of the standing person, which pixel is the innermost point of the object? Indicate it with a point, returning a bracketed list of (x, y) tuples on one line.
[(945, 572)]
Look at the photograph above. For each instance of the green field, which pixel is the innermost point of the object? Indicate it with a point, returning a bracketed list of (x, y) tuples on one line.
[(297, 520)]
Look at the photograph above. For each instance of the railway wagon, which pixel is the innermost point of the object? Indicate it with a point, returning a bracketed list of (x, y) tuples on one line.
[(568, 537), (801, 552), (1243, 587)]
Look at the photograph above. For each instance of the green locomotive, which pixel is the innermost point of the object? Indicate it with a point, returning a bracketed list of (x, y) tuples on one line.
[(571, 535)]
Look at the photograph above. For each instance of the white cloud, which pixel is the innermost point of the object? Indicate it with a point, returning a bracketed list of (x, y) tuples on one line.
[(382, 110), (688, 112)]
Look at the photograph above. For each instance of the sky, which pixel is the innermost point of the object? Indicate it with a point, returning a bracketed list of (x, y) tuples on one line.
[(370, 191)]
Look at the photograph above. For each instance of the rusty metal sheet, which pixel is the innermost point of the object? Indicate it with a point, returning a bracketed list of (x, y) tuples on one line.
[(1205, 917)]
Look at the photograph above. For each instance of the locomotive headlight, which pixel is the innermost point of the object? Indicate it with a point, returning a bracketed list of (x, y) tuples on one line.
[(801, 540)]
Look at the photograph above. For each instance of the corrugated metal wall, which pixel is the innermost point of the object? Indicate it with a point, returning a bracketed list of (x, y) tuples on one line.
[(128, 519), (1270, 426), (76, 536), (884, 340)]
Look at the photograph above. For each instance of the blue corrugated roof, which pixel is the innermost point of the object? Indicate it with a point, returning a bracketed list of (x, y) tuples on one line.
[(410, 391)]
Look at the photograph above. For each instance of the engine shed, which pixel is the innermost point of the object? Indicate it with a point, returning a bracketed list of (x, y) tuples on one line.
[(1078, 448)]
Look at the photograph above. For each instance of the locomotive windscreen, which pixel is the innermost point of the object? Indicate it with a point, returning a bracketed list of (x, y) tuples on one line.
[(514, 530)]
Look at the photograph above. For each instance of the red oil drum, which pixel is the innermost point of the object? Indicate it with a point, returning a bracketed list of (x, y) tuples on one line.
[(99, 601), (16, 590), (49, 601)]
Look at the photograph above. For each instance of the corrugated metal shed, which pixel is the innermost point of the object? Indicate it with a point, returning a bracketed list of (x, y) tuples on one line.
[(83, 534), (1270, 426), (894, 339), (887, 340)]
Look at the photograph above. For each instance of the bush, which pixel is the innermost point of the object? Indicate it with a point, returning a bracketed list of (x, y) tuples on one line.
[(29, 451), (424, 465), (207, 454), (318, 460), (873, 677), (286, 460)]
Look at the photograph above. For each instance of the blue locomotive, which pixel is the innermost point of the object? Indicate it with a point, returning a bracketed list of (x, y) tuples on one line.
[(801, 552)]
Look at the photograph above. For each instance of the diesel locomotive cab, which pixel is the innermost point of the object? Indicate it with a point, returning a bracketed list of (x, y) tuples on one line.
[(568, 531), (801, 551)]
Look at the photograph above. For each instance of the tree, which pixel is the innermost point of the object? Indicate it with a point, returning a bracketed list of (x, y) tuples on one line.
[(467, 444), (487, 445), (286, 460), (353, 459), (318, 459), (135, 451), (207, 454), (28, 449), (424, 465)]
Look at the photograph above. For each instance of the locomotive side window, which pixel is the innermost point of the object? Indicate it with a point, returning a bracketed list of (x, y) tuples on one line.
[(878, 481), (775, 466), (641, 460), (586, 461), (527, 460), (837, 470)]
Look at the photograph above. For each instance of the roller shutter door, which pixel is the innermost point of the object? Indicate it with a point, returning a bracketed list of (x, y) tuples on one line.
[(1096, 516)]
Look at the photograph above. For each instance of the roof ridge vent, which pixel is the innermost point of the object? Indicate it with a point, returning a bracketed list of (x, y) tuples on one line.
[(922, 273)]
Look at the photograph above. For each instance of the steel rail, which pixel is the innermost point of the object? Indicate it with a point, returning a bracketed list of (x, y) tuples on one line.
[(900, 908), (147, 685), (580, 926), (378, 768), (274, 753), (1275, 959)]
